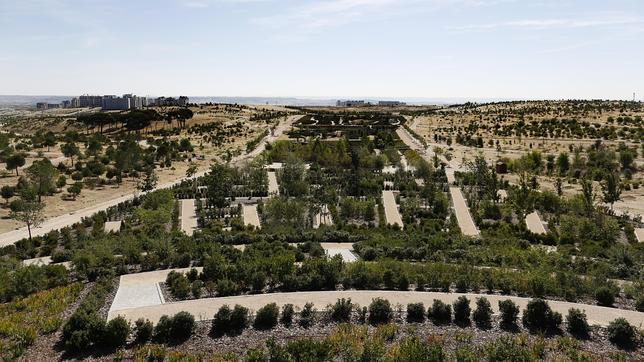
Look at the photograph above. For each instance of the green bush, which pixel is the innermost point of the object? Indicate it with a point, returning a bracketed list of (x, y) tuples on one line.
[(440, 313), (621, 333), (340, 312), (482, 315), (183, 323), (539, 317), (380, 311), (226, 288), (413, 349), (143, 330), (266, 317), (509, 313), (287, 315), (639, 303), (307, 315), (163, 329), (462, 311), (196, 288), (227, 321), (577, 323), (116, 332), (415, 312), (605, 297)]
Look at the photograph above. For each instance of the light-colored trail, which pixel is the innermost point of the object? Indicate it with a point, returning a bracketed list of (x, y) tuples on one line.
[(250, 216), (534, 223), (205, 309), (391, 209), (61, 221), (188, 216), (462, 212), (273, 187)]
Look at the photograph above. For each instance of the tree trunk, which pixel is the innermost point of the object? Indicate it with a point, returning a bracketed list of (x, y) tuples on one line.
[(29, 230)]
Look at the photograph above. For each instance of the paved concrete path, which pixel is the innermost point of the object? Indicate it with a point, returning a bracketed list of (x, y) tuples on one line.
[(188, 216), (345, 250), (392, 215), (273, 187), (534, 223), (112, 226), (322, 218), (639, 235), (462, 212), (250, 216), (61, 221), (141, 290), (205, 309)]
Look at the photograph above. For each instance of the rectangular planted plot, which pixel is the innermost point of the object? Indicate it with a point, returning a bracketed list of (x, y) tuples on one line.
[(465, 221), (188, 216), (391, 209), (250, 215)]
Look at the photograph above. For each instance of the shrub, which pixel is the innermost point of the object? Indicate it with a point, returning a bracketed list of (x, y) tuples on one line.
[(403, 282), (266, 317), (143, 330), (483, 313), (163, 329), (380, 311), (413, 349), (196, 288), (307, 316), (116, 332), (462, 311), (362, 315), (341, 311), (183, 324), (577, 323), (287, 315), (415, 312), (441, 313), (509, 313), (539, 317), (226, 287), (221, 321), (239, 318), (605, 297), (258, 282), (639, 303), (621, 333)]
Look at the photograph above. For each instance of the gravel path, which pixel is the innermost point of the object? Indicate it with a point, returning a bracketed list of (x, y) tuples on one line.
[(188, 216), (463, 216), (391, 209), (204, 309), (534, 223)]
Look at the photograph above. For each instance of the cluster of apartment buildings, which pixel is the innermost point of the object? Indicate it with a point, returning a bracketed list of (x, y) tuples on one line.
[(360, 103), (113, 103)]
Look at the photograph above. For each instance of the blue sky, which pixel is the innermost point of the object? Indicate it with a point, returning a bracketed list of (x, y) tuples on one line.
[(337, 48)]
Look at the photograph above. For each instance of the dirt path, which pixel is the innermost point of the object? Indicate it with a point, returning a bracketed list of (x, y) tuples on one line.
[(188, 216), (462, 212), (204, 309), (391, 209)]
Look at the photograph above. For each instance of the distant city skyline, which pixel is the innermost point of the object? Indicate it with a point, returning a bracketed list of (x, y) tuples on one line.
[(325, 49)]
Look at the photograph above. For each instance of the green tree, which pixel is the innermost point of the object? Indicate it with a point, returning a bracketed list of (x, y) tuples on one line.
[(49, 140), (75, 189), (611, 188), (28, 212), (42, 173), (15, 161), (70, 149)]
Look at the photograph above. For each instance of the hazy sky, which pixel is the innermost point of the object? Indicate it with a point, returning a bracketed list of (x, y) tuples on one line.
[(342, 48)]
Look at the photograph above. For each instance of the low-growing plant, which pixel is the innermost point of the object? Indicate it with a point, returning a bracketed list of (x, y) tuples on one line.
[(340, 312), (462, 311), (440, 313), (143, 330), (116, 332), (287, 315), (266, 317), (621, 333), (577, 323), (380, 311), (605, 296), (415, 312), (482, 315), (509, 314), (539, 317), (307, 315)]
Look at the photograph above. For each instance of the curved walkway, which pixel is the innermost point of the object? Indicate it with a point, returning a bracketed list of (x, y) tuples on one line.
[(205, 309)]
